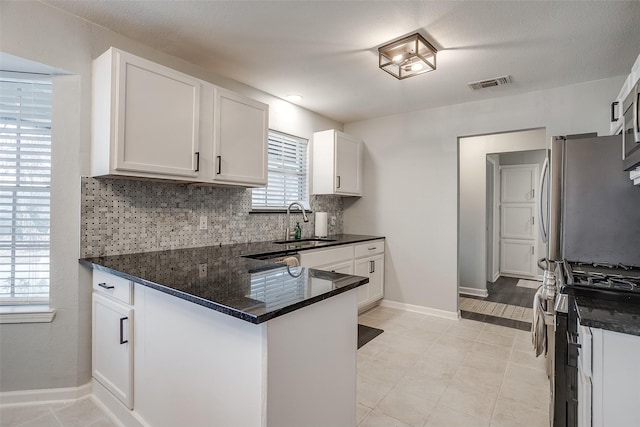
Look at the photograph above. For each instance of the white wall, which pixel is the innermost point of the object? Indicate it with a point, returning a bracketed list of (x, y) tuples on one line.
[(51, 355), (411, 180)]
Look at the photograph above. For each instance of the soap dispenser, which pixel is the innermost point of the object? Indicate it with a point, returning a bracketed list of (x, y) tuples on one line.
[(297, 232)]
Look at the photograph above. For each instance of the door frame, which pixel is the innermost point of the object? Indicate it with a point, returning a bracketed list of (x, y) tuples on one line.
[(492, 257)]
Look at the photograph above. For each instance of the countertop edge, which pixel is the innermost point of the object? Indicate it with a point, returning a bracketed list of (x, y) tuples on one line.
[(353, 282), (617, 323)]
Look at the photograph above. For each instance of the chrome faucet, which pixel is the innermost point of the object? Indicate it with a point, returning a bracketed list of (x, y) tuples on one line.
[(287, 230)]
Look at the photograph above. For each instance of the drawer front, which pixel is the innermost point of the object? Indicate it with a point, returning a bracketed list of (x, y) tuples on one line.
[(326, 256), (114, 286), (369, 248)]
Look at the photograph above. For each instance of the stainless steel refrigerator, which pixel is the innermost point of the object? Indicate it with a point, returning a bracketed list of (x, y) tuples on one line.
[(592, 219)]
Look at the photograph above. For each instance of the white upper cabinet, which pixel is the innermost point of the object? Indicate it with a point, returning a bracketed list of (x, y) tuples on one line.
[(336, 164), (146, 119), (240, 139), (150, 121)]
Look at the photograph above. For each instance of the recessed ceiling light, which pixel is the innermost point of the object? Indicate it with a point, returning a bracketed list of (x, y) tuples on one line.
[(294, 98)]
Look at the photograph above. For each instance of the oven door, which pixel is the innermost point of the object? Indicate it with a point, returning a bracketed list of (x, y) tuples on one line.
[(565, 378), (631, 130)]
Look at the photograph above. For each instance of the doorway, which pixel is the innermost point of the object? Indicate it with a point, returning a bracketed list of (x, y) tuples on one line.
[(487, 293)]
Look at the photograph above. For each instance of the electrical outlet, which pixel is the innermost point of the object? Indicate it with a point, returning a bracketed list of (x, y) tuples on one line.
[(333, 220), (203, 222), (202, 270)]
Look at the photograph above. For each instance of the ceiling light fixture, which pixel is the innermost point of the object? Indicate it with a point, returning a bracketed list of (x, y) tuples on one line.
[(294, 98), (407, 57)]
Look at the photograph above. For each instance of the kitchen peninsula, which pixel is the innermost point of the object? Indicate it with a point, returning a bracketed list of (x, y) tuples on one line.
[(211, 336)]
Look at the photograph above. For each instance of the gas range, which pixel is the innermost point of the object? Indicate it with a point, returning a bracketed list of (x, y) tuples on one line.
[(606, 281)]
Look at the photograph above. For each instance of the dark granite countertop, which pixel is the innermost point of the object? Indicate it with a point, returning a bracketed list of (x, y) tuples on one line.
[(617, 316), (253, 290)]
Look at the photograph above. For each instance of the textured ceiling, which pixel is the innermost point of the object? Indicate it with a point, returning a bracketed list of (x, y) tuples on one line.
[(326, 51)]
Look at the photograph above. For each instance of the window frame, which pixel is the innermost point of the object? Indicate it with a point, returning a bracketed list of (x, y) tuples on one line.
[(304, 164), (25, 307)]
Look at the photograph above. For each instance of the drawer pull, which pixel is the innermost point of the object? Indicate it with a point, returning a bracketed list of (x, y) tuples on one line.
[(122, 340), (105, 286), (372, 248)]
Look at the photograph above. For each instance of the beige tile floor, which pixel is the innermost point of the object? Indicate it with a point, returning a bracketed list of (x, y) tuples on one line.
[(430, 372), (81, 413), (422, 371)]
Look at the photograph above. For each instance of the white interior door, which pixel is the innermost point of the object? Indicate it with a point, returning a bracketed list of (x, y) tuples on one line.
[(518, 235)]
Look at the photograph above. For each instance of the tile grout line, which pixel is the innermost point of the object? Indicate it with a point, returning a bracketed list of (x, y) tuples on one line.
[(503, 378)]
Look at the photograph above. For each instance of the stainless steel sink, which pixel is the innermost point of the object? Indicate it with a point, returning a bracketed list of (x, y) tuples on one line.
[(303, 242)]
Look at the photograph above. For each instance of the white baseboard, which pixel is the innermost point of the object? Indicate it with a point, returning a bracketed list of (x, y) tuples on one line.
[(116, 409), (452, 315), (496, 276), (37, 397), (482, 293)]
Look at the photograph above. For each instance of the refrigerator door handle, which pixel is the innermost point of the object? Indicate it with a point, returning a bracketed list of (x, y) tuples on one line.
[(543, 175)]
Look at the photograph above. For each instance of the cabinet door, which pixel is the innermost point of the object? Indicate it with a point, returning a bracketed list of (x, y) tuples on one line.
[(157, 118), (517, 257), (362, 268), (240, 129), (517, 221), (517, 184), (373, 268), (348, 165), (376, 278), (113, 347)]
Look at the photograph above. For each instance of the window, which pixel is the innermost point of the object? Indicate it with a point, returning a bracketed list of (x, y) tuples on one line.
[(287, 173), (25, 177)]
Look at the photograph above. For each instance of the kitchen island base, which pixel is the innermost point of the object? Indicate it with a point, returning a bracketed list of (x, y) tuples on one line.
[(194, 366)]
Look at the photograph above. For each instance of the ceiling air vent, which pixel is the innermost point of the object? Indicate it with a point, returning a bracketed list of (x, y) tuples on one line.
[(483, 84)]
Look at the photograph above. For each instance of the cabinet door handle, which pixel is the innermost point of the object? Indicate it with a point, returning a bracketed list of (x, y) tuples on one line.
[(219, 167), (122, 340), (533, 193), (613, 111), (372, 266), (532, 250), (197, 161), (104, 285), (338, 181), (533, 220)]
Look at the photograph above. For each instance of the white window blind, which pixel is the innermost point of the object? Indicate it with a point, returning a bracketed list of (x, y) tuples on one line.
[(25, 178), (287, 173)]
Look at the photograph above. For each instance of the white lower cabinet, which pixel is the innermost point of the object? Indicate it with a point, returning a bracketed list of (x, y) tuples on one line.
[(363, 259), (615, 373), (112, 347), (369, 263)]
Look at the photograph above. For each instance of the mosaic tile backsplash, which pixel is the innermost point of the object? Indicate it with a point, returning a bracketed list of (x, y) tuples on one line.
[(123, 216)]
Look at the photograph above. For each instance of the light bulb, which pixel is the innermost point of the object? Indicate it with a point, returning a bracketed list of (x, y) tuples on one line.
[(397, 58), (417, 66)]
